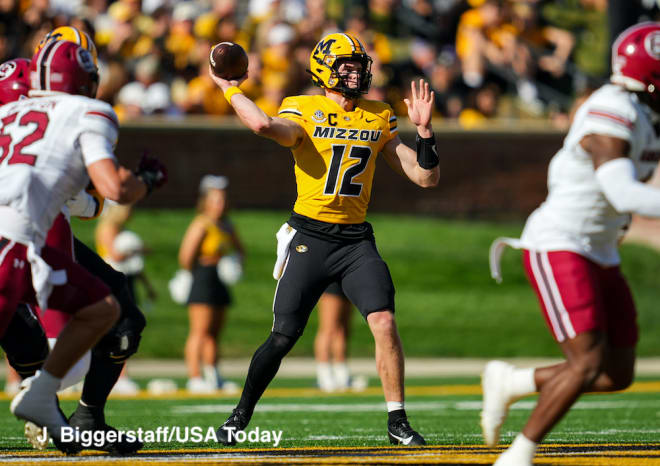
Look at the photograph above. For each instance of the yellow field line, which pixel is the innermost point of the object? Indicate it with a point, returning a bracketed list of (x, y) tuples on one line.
[(305, 392), (644, 387), (430, 459), (625, 447), (474, 454)]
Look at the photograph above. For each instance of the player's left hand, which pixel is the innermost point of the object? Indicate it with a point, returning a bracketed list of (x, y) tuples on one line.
[(420, 105)]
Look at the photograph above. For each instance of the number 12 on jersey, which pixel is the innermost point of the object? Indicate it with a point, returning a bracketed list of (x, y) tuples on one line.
[(348, 188)]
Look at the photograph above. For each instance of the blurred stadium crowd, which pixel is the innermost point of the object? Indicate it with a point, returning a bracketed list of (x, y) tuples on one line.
[(484, 58)]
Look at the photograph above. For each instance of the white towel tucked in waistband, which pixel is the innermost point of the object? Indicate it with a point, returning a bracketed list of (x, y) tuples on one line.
[(284, 236), (43, 277), (495, 255)]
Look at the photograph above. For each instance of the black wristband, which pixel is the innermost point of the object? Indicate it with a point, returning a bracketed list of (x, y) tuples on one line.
[(427, 157)]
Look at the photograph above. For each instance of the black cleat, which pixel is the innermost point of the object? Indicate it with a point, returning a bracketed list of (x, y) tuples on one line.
[(87, 418), (68, 448), (400, 432), (226, 433)]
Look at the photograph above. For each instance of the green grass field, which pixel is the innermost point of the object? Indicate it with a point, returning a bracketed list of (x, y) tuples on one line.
[(446, 411), (447, 304)]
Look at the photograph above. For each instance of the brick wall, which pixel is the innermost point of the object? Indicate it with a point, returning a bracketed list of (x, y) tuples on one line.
[(495, 174)]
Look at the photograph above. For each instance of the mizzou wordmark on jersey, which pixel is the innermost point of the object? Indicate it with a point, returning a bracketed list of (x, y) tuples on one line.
[(336, 160)]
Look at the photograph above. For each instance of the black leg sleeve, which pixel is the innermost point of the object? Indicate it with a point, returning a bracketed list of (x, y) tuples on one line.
[(263, 367), (98, 267), (102, 375), (123, 339)]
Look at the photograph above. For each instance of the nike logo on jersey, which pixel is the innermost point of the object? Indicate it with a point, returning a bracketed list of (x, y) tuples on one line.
[(404, 441), (330, 132), (369, 121)]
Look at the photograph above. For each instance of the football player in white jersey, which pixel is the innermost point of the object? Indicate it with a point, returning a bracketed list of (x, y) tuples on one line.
[(52, 144), (101, 369), (595, 182), (102, 366)]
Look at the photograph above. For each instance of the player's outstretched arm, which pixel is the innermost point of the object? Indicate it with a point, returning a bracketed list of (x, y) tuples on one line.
[(615, 173), (285, 132), (420, 166), (116, 183)]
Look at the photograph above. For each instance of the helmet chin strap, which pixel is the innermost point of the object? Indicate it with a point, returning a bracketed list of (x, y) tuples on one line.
[(652, 101), (343, 93)]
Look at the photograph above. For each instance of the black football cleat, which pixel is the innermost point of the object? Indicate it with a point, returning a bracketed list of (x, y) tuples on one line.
[(68, 448), (400, 432), (87, 418), (226, 433)]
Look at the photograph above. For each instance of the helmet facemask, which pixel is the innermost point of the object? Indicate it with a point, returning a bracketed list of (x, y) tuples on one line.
[(339, 83), (363, 75)]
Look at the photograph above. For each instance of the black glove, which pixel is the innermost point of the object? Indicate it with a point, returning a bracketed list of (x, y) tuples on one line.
[(152, 172)]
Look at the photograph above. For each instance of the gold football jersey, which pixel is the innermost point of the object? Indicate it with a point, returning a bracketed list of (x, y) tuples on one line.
[(336, 160)]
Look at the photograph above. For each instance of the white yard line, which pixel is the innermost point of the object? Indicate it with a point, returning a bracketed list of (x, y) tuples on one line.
[(410, 406)]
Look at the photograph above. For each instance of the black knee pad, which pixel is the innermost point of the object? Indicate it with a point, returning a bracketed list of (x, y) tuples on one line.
[(123, 340), (25, 342)]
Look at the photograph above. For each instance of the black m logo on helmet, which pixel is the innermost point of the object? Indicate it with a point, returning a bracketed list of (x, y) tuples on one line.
[(324, 47)]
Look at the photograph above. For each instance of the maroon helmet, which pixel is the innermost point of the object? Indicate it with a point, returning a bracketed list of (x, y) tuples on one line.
[(63, 66), (14, 79), (636, 59)]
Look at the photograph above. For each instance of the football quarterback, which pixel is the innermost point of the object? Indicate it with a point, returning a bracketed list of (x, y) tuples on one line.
[(335, 140)]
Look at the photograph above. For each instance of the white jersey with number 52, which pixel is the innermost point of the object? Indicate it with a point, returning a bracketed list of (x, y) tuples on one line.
[(42, 162), (576, 216)]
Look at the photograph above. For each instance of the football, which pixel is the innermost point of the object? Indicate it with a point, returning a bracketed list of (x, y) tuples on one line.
[(228, 60)]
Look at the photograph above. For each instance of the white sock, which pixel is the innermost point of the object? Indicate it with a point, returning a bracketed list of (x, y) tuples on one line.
[(522, 382), (341, 374), (394, 405), (324, 377), (523, 448)]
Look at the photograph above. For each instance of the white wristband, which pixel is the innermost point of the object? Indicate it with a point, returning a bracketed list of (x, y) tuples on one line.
[(82, 205)]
